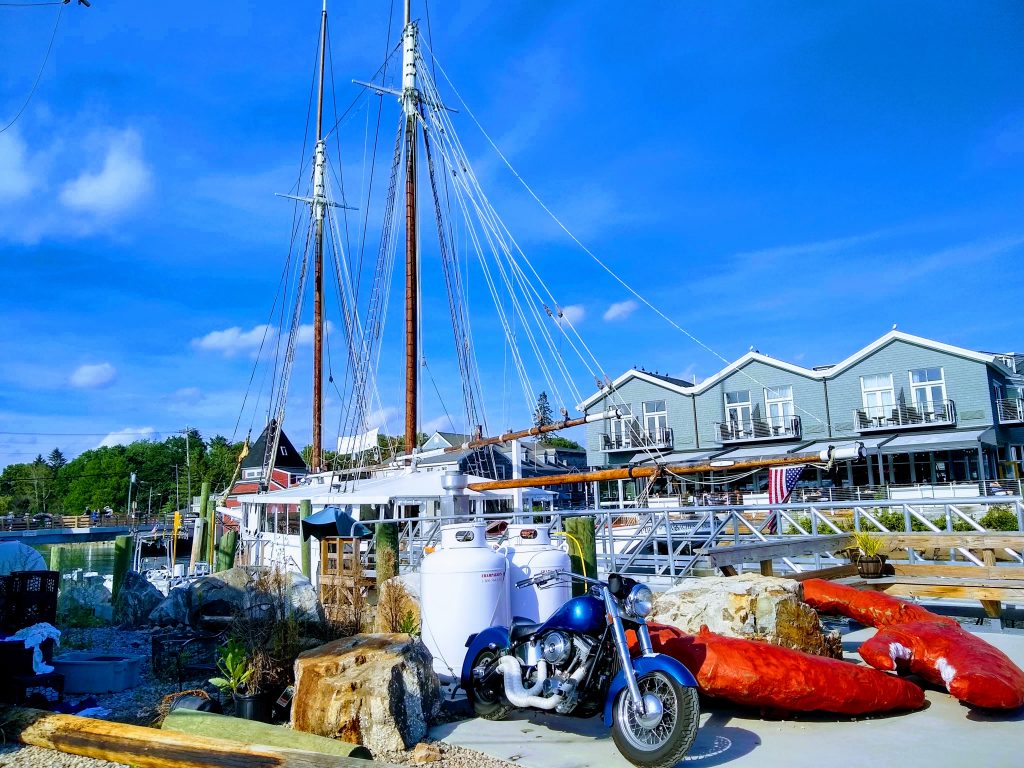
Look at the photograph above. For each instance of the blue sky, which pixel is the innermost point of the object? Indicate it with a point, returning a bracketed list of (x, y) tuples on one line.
[(795, 177)]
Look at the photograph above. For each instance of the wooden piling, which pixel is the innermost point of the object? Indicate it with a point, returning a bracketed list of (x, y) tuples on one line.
[(582, 550), (122, 561), (305, 508), (226, 550), (198, 537), (206, 553), (386, 538)]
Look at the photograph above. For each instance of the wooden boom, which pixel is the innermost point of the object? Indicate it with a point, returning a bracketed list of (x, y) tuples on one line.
[(624, 473)]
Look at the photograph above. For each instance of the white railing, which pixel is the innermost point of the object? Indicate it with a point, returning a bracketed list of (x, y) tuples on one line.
[(1010, 410), (903, 415), (637, 439), (772, 428)]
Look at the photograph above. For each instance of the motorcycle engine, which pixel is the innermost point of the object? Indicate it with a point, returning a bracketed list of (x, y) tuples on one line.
[(565, 653)]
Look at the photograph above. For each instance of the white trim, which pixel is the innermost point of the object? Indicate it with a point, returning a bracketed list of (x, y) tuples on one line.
[(827, 373)]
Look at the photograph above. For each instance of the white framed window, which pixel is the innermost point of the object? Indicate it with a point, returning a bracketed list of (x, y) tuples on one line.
[(737, 408), (622, 429), (779, 404), (927, 389), (878, 395), (656, 419), (251, 474)]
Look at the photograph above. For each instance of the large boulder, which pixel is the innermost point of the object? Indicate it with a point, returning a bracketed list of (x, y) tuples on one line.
[(376, 690), (173, 610), (82, 595), (749, 606), (253, 591), (135, 600)]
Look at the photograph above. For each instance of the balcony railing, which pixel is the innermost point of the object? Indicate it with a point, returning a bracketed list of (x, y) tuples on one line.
[(782, 428), (635, 439), (902, 416), (1010, 410)]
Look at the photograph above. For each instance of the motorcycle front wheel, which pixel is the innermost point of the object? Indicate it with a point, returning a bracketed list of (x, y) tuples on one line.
[(488, 702), (659, 740)]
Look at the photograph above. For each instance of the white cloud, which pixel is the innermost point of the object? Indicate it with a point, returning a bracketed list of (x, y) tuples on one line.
[(16, 181), (574, 313), (122, 182), (127, 436), (381, 416), (93, 376), (232, 341), (620, 310), (305, 335), (437, 424)]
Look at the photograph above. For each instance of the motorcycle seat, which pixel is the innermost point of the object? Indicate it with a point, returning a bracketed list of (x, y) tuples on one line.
[(521, 627)]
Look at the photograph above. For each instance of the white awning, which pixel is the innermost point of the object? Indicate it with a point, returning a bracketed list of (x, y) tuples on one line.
[(940, 441), (405, 486), (752, 452), (870, 444), (682, 457)]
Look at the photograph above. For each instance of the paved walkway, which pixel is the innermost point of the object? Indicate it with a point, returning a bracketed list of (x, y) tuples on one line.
[(945, 733)]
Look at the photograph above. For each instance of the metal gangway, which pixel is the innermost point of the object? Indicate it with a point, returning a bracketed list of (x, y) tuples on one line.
[(664, 545)]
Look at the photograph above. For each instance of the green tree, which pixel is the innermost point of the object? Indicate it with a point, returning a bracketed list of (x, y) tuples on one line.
[(556, 441), (542, 413), (56, 459)]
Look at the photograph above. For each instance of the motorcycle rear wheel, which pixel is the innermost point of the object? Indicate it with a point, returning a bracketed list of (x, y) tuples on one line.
[(661, 744), (488, 704)]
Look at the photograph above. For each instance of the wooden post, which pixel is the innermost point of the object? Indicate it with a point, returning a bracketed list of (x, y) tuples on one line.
[(56, 556), (582, 550), (226, 550), (122, 561), (206, 553), (305, 508), (386, 537), (153, 748), (198, 536), (766, 568)]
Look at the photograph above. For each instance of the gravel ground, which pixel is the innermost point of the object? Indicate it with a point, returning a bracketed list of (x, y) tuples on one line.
[(452, 756), (138, 705)]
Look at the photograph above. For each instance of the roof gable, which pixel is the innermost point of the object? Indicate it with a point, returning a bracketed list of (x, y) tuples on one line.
[(287, 457)]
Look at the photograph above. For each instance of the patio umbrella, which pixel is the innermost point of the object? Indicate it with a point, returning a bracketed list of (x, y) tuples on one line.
[(333, 521), (17, 556)]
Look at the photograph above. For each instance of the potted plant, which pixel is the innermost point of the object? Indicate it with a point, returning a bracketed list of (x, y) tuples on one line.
[(869, 557), (237, 678)]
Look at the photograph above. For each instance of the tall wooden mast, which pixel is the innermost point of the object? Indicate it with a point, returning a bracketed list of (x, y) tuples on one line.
[(410, 107), (319, 206)]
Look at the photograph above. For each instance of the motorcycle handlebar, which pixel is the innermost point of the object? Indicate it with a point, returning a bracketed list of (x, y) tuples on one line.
[(545, 576)]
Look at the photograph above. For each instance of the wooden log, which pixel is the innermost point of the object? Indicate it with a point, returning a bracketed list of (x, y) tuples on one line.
[(582, 550), (252, 732), (835, 572), (152, 748)]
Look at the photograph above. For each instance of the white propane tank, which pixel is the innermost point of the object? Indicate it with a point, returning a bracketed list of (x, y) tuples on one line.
[(462, 591), (529, 551)]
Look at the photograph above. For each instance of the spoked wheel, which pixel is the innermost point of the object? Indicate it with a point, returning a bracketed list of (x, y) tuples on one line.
[(487, 692), (661, 737)]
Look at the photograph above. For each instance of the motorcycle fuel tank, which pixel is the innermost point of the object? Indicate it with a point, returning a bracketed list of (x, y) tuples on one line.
[(583, 614)]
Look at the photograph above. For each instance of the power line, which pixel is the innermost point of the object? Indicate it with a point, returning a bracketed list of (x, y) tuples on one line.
[(39, 74)]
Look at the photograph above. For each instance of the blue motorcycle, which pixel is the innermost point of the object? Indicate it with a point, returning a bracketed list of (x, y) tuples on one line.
[(577, 663)]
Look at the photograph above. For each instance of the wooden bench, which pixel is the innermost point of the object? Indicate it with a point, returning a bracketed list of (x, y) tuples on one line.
[(763, 552)]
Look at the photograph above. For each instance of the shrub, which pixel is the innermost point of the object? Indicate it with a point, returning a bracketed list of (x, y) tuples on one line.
[(1000, 518)]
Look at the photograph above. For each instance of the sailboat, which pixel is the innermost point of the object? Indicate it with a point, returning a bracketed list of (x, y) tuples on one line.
[(376, 478)]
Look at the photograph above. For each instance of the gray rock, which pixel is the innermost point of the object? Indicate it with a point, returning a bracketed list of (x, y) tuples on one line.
[(749, 606), (76, 595), (173, 609), (253, 591), (135, 601)]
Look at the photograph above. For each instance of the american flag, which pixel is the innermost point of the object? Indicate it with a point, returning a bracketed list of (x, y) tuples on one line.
[(781, 482)]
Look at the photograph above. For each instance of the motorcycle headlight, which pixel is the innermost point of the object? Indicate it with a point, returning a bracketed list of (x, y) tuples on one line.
[(640, 601)]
